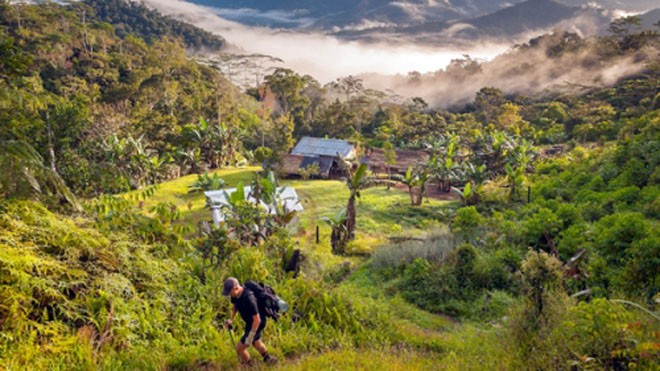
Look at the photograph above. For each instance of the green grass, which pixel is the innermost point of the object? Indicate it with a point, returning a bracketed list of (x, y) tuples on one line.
[(193, 205), (368, 359), (428, 341), (381, 213)]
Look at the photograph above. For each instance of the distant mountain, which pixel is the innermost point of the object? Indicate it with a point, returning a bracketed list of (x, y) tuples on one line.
[(330, 15), (131, 17), (511, 23), (529, 15), (374, 14), (650, 19)]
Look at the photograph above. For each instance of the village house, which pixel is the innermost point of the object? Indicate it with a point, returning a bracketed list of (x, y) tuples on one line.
[(376, 160), (326, 153)]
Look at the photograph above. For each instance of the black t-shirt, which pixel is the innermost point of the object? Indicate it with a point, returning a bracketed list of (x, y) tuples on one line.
[(246, 305)]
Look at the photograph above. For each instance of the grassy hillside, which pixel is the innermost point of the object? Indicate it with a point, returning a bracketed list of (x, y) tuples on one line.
[(549, 257)]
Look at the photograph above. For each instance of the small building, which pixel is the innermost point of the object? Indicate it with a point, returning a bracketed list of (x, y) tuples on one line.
[(326, 153), (218, 200), (320, 147), (376, 160)]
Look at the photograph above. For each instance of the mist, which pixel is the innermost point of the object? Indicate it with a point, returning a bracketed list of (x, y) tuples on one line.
[(387, 64), (528, 71), (323, 57)]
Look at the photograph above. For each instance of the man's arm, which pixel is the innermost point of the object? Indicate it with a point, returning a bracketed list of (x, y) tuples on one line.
[(231, 317), (256, 321)]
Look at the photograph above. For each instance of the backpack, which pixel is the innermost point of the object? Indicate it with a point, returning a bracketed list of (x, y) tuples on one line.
[(267, 300)]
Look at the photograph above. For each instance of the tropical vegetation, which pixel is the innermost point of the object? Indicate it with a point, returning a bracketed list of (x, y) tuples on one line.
[(529, 240)]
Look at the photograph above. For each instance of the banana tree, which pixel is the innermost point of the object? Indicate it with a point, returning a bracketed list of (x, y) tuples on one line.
[(244, 218), (476, 177), (265, 191), (415, 178), (356, 182), (410, 180), (156, 168), (338, 239), (515, 178), (206, 182), (468, 194), (442, 163), (189, 159)]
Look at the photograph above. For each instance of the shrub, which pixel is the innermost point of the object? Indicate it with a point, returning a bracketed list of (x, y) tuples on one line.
[(248, 264), (466, 223), (309, 171), (642, 271), (206, 182), (541, 228), (491, 305), (602, 335), (496, 270), (615, 233), (572, 239)]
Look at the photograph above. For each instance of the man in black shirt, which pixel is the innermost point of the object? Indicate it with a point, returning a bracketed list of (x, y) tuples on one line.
[(245, 302)]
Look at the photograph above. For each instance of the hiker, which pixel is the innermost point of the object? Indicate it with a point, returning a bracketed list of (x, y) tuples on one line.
[(245, 302)]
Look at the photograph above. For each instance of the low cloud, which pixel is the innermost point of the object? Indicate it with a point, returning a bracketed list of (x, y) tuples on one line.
[(524, 71), (324, 57), (386, 65)]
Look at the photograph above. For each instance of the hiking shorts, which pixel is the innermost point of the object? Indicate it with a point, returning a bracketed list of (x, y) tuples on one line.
[(260, 329)]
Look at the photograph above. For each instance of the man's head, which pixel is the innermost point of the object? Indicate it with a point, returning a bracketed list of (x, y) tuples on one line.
[(231, 288)]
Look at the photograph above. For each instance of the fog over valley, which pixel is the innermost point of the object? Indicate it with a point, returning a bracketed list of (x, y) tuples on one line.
[(402, 64)]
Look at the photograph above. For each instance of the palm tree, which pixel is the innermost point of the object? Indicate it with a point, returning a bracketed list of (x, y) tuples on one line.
[(24, 174)]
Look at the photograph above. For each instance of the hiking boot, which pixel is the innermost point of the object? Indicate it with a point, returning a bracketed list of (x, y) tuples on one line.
[(248, 365), (271, 360)]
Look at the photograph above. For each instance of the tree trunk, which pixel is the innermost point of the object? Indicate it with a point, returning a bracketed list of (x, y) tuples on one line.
[(350, 218), (51, 148)]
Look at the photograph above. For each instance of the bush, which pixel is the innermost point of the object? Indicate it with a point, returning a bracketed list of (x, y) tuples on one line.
[(248, 264), (642, 271), (466, 223), (496, 270), (615, 233), (207, 182), (602, 335), (490, 305)]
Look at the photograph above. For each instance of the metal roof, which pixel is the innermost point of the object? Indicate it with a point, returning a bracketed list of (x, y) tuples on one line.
[(217, 199), (292, 163), (309, 146)]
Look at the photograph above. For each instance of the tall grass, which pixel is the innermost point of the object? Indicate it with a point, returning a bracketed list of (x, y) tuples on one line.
[(434, 246)]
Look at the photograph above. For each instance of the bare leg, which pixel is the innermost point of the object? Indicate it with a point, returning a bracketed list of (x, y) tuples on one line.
[(242, 351), (259, 345)]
